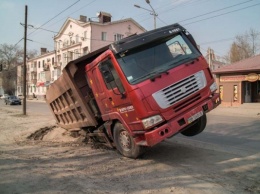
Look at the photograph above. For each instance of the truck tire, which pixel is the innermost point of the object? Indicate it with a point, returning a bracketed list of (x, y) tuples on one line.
[(125, 143), (197, 127)]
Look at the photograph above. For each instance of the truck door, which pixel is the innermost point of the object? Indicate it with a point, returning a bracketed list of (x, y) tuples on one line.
[(115, 92)]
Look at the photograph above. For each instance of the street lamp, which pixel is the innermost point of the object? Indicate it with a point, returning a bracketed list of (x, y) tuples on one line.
[(152, 12)]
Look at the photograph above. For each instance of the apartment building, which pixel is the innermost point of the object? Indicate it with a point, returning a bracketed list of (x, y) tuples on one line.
[(75, 39)]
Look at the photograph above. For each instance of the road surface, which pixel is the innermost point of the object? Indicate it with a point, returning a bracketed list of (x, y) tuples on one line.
[(224, 159)]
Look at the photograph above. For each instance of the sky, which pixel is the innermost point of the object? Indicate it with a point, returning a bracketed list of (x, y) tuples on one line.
[(213, 23)]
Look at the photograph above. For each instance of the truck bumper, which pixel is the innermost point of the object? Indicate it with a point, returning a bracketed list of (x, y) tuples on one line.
[(175, 125)]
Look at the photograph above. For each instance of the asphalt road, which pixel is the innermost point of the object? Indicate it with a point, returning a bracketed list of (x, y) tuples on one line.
[(224, 132), (228, 133), (34, 106)]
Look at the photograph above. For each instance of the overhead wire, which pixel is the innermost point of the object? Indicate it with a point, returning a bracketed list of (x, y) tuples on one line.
[(216, 11), (180, 21), (49, 20), (72, 35), (222, 14), (73, 12), (55, 16)]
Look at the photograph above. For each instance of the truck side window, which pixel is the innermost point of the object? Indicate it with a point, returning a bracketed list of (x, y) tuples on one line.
[(116, 83)]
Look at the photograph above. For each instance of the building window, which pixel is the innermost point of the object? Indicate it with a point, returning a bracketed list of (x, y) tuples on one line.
[(118, 37), (85, 50), (76, 52), (85, 35), (70, 56), (235, 93), (103, 36), (39, 64), (64, 58)]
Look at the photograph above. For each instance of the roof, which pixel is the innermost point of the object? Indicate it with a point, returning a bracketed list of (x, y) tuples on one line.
[(246, 65), (80, 23), (120, 21)]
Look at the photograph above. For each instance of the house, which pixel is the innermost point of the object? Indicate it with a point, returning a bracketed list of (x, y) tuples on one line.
[(75, 39), (239, 82)]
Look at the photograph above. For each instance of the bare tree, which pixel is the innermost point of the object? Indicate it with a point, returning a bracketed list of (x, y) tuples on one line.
[(11, 56), (244, 46), (253, 34)]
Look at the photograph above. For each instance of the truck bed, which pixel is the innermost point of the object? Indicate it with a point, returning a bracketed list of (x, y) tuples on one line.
[(70, 98)]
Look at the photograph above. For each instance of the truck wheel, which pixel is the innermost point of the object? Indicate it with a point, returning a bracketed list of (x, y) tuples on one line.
[(197, 127), (125, 143)]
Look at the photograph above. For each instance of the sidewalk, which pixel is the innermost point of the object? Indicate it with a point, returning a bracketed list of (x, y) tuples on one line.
[(246, 109), (36, 100)]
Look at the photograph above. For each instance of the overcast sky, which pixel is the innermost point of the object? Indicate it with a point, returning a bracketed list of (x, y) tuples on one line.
[(213, 23)]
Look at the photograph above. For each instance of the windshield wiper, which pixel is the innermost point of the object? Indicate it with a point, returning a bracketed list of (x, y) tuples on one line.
[(159, 75), (181, 60), (144, 76)]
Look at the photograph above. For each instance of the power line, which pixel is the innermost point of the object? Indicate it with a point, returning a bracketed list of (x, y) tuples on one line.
[(68, 35), (226, 39), (55, 16), (73, 12), (18, 42), (213, 11), (48, 21), (216, 11), (222, 14)]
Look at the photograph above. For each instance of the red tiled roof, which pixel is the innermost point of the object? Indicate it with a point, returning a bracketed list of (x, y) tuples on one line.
[(250, 64)]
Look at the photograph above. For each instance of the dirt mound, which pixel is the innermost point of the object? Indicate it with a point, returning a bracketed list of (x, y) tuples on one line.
[(39, 134)]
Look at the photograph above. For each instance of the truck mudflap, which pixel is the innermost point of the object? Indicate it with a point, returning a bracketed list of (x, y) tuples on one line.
[(174, 126)]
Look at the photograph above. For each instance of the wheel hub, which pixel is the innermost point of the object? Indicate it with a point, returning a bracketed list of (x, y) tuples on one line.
[(125, 141)]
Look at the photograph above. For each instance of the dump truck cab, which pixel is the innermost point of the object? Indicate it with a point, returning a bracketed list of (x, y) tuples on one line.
[(154, 85)]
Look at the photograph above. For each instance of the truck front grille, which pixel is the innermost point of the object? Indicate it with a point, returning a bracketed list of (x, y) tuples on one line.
[(181, 90)]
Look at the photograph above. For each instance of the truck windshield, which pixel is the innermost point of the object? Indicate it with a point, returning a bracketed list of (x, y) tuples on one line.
[(155, 58)]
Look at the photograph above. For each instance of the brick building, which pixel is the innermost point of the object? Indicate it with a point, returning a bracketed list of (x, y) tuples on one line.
[(239, 82)]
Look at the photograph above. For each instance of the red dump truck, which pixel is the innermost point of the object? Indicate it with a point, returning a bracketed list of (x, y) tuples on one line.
[(137, 92)]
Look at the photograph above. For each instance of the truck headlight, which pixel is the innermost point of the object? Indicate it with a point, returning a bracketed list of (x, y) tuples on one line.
[(151, 121), (213, 87)]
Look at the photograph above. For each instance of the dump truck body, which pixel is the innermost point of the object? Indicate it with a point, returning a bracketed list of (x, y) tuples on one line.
[(70, 97)]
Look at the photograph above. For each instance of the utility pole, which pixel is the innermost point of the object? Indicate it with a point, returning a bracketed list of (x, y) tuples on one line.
[(24, 63)]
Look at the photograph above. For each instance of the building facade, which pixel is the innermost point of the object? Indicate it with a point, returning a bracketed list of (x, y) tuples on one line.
[(214, 61), (75, 39), (239, 82)]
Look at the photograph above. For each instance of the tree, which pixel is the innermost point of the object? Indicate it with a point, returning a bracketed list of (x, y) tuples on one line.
[(11, 56), (253, 39), (244, 46)]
